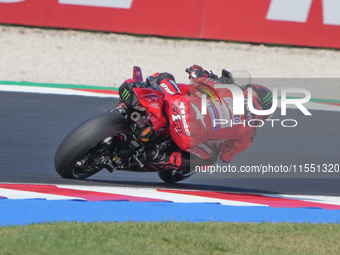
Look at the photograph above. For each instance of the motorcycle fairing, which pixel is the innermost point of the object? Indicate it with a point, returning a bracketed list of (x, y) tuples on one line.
[(153, 101)]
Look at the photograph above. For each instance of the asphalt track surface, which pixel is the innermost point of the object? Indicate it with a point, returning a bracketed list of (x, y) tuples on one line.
[(33, 125)]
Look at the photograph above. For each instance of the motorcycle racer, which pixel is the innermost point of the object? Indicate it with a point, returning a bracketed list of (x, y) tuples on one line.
[(218, 133)]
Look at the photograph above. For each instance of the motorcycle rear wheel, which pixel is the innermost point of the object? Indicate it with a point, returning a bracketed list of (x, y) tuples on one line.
[(85, 138)]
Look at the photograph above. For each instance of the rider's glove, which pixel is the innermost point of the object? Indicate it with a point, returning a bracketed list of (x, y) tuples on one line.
[(157, 78), (196, 71), (229, 149)]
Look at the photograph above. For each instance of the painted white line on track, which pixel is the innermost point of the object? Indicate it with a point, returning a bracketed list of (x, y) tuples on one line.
[(183, 198), (74, 92), (18, 194), (55, 91), (314, 106), (154, 194), (162, 194), (308, 198)]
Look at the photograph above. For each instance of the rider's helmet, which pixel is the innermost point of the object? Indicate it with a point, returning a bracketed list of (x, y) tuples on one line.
[(262, 100)]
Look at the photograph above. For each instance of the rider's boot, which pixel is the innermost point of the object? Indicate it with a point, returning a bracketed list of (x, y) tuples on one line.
[(178, 159), (171, 159), (185, 163)]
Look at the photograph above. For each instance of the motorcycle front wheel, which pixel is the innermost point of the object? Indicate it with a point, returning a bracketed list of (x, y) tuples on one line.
[(77, 155)]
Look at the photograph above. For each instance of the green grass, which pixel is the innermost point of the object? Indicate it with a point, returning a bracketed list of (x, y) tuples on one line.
[(170, 238)]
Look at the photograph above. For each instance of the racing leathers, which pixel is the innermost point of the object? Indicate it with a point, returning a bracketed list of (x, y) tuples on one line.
[(217, 133)]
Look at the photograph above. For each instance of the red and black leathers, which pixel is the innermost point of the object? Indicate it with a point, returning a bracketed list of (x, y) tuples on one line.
[(194, 132)]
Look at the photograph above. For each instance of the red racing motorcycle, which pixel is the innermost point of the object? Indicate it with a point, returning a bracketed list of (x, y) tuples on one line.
[(121, 139)]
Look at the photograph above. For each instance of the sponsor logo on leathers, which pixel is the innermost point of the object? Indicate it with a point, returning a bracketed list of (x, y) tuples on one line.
[(166, 88), (199, 115), (175, 86), (184, 118), (206, 148)]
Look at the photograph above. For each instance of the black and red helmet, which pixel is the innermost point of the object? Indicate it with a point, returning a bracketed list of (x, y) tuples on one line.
[(262, 99)]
